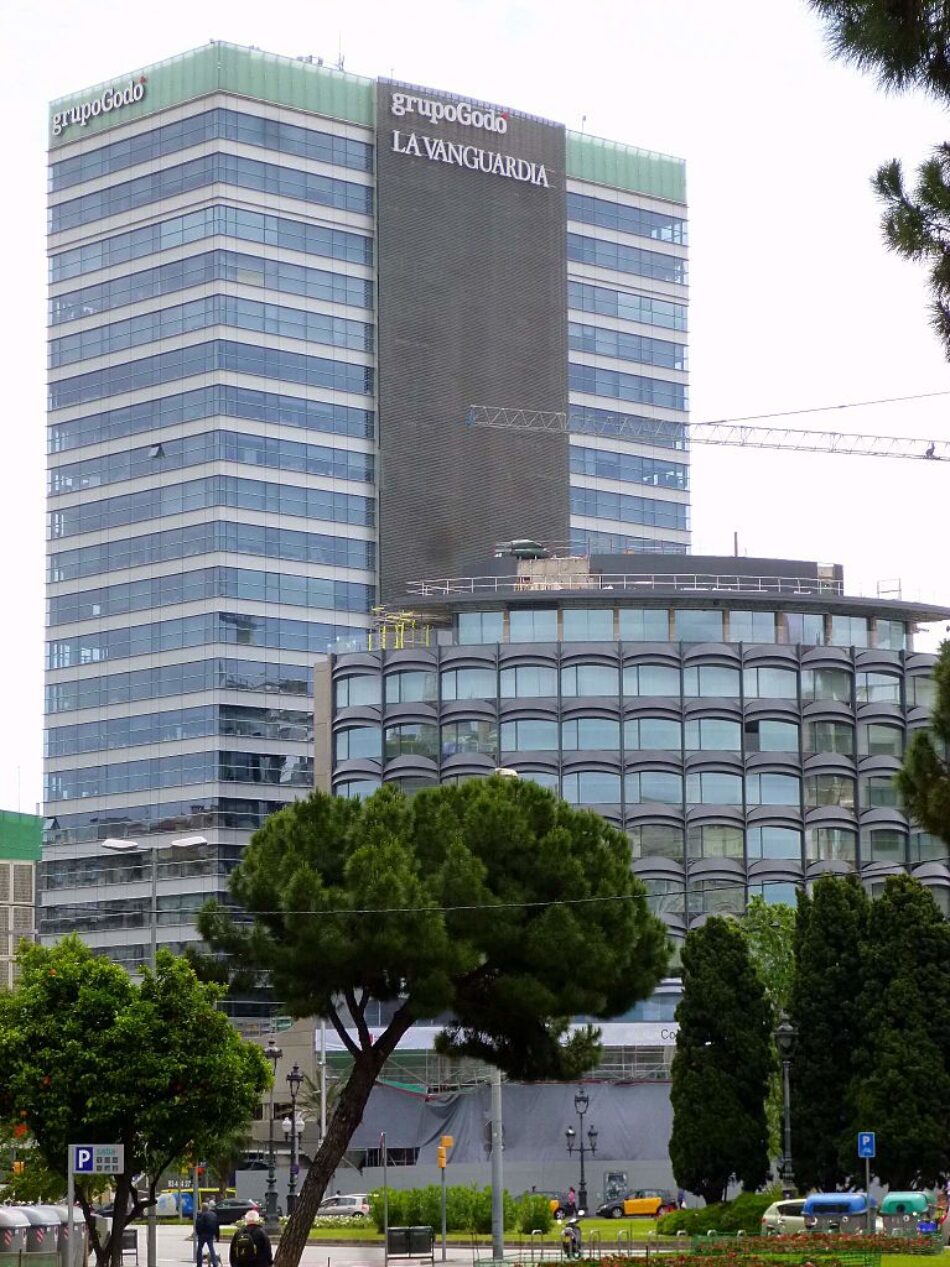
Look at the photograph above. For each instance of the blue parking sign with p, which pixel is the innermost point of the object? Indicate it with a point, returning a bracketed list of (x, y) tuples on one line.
[(83, 1159), (867, 1144)]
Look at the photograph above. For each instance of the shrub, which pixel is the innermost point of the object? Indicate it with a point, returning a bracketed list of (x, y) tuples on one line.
[(744, 1214), (467, 1209), (534, 1213)]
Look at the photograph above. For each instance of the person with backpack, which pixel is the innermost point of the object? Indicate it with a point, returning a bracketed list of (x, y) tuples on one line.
[(207, 1232), (250, 1245)]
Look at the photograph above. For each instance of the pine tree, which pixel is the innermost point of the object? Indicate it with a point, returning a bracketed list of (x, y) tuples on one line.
[(906, 43), (722, 1066), (830, 933), (901, 1084)]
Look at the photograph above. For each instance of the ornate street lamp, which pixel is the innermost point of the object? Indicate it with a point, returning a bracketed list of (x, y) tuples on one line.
[(271, 1221), (785, 1035), (581, 1105), (294, 1079)]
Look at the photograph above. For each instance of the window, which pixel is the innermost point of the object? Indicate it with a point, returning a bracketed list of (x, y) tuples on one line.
[(585, 297), (716, 897), (877, 739), (765, 787), (713, 841), (922, 692), (631, 468), (711, 680), (829, 789), (878, 688), (807, 628), (884, 844), (770, 683), (625, 346), (532, 624), (412, 739), (849, 631), (776, 894), (597, 503), (710, 787), (651, 679), (820, 684), (766, 735), (622, 218), (829, 736), (469, 736), (588, 624), (773, 842), (621, 258), (590, 679), (543, 778), (694, 625), (751, 626), (666, 897), (891, 635), (529, 735), (879, 791), (830, 844), (713, 734), (357, 741), (410, 686), (926, 848), (528, 681), (469, 684), (357, 690), (655, 786), (645, 624), (590, 732), (591, 787), (480, 627), (651, 734), (656, 840)]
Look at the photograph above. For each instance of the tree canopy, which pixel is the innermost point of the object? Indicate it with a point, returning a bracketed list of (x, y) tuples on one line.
[(824, 1007), (493, 902), (924, 779), (90, 1056), (722, 1066), (906, 44)]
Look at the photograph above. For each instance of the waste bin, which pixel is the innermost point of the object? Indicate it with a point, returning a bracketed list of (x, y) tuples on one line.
[(421, 1240), (836, 1212), (42, 1236), (78, 1229), (14, 1226), (397, 1242), (908, 1214)]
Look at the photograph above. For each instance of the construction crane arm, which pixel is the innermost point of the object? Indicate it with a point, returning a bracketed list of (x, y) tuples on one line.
[(666, 434)]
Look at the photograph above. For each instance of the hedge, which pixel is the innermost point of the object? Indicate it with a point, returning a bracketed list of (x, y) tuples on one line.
[(467, 1209)]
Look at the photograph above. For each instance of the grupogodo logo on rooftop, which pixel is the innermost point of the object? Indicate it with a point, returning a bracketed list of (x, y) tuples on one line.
[(488, 119), (114, 98)]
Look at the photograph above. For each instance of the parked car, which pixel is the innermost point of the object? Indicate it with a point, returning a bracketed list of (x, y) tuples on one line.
[(644, 1202), (354, 1205), (231, 1209), (783, 1218)]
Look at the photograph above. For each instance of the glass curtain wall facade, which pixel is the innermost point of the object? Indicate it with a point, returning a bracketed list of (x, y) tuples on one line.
[(741, 754), (213, 448)]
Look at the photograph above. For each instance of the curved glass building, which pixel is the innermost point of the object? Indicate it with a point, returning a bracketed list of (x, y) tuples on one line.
[(741, 721)]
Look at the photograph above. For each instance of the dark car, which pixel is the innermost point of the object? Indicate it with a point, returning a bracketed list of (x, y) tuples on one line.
[(231, 1209), (639, 1202)]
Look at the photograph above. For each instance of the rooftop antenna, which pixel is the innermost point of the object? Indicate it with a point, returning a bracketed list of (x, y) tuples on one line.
[(339, 50), (583, 122)]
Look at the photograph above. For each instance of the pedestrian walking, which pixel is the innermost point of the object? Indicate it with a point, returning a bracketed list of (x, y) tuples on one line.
[(571, 1203), (250, 1245), (207, 1231)]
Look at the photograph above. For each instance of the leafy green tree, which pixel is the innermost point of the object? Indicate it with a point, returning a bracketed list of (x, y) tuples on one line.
[(90, 1056), (721, 1067), (769, 932), (493, 902), (906, 44), (901, 1084), (924, 779), (824, 1005)]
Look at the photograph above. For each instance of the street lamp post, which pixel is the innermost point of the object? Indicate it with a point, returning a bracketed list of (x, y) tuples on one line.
[(294, 1079), (271, 1220), (116, 845), (575, 1139), (785, 1035)]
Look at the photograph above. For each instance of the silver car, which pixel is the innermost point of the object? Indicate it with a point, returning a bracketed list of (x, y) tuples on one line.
[(784, 1218)]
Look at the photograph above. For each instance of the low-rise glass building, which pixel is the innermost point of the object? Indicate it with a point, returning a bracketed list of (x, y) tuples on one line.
[(741, 721)]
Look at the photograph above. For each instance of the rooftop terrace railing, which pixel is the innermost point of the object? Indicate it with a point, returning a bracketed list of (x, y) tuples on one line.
[(627, 582)]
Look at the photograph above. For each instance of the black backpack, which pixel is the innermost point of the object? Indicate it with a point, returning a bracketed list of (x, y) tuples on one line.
[(245, 1248)]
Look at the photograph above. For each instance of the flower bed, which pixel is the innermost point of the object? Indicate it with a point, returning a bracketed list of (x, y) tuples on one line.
[(811, 1243), (868, 1256)]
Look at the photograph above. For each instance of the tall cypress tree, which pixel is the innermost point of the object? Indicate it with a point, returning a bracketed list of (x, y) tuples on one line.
[(924, 780), (721, 1067), (901, 1083), (824, 1006)]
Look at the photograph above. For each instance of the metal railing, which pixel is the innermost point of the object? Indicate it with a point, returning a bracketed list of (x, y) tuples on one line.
[(628, 582)]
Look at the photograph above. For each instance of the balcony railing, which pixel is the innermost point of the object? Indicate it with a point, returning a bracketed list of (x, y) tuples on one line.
[(626, 582)]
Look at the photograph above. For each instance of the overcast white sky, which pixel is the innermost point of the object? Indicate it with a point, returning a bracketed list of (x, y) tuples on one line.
[(795, 301)]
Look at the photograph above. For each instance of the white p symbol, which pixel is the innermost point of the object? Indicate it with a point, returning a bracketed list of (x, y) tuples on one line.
[(83, 1158)]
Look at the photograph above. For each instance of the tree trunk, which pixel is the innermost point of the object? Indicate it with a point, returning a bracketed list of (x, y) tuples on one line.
[(346, 1118)]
